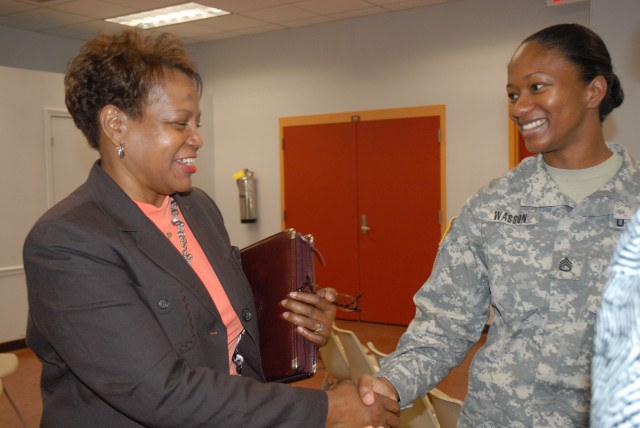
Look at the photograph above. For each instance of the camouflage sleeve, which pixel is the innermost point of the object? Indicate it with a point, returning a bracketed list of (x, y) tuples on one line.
[(451, 310)]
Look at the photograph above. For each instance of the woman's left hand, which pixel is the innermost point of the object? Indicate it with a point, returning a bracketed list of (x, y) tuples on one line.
[(313, 313)]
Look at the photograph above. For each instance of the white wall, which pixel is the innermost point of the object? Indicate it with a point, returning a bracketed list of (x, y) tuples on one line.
[(25, 95), (454, 54), (618, 21)]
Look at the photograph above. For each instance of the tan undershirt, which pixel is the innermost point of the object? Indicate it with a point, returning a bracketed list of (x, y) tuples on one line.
[(580, 183)]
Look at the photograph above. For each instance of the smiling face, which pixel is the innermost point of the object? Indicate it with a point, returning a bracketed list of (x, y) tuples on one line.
[(160, 147), (556, 112)]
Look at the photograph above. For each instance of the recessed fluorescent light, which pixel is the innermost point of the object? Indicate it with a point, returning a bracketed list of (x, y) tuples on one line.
[(168, 15)]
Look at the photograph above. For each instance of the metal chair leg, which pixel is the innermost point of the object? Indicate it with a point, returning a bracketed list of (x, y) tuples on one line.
[(24, 424)]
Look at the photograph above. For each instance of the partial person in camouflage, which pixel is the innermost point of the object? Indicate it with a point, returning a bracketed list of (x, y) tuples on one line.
[(534, 245), (616, 363)]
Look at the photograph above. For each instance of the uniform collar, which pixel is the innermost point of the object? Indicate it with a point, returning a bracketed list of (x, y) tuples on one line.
[(542, 191)]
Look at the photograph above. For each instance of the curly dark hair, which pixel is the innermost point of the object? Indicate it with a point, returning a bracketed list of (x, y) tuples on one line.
[(121, 69), (586, 50)]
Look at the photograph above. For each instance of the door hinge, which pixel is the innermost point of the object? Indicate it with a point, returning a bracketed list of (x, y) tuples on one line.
[(440, 217), (284, 216), (439, 135), (283, 144)]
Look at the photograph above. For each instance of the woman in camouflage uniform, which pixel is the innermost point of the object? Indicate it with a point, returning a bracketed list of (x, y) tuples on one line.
[(534, 245)]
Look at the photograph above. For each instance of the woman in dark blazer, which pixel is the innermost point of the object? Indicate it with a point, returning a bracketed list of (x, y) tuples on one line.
[(138, 304)]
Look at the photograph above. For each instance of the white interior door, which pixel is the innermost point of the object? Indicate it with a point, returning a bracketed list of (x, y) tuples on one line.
[(70, 156)]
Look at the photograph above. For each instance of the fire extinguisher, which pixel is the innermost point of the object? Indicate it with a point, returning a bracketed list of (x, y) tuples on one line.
[(247, 192)]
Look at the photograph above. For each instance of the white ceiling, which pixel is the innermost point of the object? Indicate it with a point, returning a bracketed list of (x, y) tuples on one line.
[(81, 19)]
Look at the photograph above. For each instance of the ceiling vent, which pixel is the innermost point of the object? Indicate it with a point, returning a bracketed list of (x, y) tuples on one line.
[(45, 2), (563, 2)]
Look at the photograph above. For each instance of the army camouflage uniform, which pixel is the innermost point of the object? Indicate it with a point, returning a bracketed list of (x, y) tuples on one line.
[(540, 260)]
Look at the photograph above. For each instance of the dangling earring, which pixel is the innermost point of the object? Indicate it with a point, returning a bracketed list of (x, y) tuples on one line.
[(120, 151)]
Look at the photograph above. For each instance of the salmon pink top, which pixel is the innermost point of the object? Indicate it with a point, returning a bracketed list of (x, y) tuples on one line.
[(161, 216)]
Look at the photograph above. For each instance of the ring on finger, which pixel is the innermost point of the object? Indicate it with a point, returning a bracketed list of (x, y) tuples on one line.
[(319, 328)]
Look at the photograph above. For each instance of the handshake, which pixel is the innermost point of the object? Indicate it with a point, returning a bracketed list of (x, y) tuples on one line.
[(372, 403)]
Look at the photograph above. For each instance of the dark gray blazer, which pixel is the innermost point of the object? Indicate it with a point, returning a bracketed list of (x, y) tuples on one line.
[(126, 331)]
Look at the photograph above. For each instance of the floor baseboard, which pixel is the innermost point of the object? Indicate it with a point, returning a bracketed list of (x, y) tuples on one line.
[(13, 345)]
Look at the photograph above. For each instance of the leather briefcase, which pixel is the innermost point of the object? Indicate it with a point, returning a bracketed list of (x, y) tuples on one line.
[(275, 266)]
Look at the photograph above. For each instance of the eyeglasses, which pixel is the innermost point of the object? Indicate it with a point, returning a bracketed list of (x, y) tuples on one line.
[(344, 302), (348, 303)]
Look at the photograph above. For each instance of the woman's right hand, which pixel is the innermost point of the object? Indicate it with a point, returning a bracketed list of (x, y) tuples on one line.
[(369, 386), (346, 409)]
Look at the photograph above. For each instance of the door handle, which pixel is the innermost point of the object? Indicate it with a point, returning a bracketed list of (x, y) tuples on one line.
[(363, 227)]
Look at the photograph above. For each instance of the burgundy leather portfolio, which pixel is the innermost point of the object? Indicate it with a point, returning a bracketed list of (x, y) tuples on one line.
[(275, 266)]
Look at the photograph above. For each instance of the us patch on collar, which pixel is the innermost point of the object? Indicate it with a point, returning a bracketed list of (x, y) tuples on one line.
[(617, 222), (621, 215)]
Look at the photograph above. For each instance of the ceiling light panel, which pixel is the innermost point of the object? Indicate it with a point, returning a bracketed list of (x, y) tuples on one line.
[(178, 14)]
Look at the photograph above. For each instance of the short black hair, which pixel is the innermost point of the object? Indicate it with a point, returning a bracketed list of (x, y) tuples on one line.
[(121, 69)]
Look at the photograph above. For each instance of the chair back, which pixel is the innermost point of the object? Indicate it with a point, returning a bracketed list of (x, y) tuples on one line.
[(447, 408), (377, 354), (360, 362), (419, 415), (334, 359), (8, 363)]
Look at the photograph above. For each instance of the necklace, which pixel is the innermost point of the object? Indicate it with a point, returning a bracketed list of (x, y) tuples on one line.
[(179, 224)]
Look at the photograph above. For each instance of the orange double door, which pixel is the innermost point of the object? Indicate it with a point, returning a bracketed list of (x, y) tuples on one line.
[(370, 194)]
